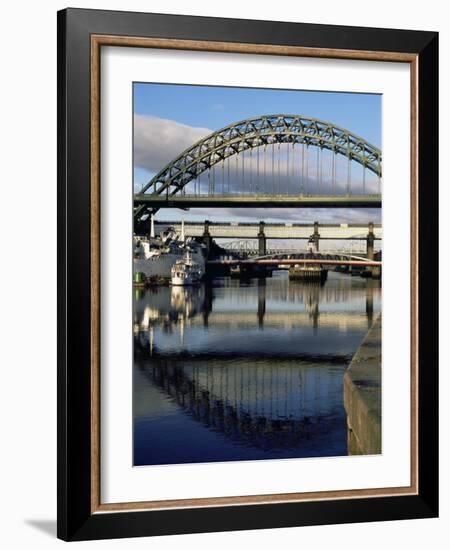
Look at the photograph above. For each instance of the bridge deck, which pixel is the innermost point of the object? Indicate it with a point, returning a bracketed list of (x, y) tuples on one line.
[(246, 230), (266, 201)]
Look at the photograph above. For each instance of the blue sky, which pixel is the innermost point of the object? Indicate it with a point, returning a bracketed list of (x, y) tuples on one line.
[(170, 118), (215, 107)]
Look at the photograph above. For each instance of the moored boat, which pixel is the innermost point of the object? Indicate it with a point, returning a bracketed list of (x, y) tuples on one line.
[(186, 271), (154, 256)]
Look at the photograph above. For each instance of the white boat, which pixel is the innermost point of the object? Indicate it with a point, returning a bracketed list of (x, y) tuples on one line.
[(154, 257), (186, 271)]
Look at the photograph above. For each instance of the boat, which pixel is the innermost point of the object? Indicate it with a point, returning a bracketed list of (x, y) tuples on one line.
[(186, 271), (154, 256)]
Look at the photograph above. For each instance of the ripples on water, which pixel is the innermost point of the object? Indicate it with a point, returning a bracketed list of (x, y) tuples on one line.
[(237, 370)]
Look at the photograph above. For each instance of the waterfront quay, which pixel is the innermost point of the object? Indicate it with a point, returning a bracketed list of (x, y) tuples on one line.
[(362, 395)]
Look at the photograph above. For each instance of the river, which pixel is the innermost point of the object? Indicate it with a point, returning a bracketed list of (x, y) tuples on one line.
[(245, 370)]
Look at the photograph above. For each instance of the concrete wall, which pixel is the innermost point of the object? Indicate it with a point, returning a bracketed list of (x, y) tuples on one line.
[(362, 395)]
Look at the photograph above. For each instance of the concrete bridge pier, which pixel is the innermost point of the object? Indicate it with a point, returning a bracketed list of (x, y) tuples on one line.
[(207, 239), (370, 250), (374, 272), (262, 241), (316, 236), (370, 242)]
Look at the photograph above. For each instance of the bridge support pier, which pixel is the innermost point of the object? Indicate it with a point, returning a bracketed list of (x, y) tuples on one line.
[(374, 272), (262, 241), (316, 236), (207, 239)]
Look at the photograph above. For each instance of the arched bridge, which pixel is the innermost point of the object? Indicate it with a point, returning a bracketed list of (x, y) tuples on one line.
[(283, 159), (303, 258)]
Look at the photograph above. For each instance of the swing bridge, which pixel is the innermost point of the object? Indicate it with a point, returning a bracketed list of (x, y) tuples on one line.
[(250, 247)]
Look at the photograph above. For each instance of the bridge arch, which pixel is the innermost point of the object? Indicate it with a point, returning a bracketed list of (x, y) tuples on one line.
[(256, 132)]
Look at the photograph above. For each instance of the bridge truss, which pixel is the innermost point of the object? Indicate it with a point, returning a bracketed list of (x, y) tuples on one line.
[(250, 247), (283, 158)]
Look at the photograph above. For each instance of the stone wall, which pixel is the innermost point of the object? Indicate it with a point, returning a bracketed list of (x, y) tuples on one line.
[(362, 395)]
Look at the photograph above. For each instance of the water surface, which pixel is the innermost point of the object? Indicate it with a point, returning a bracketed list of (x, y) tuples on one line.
[(245, 370)]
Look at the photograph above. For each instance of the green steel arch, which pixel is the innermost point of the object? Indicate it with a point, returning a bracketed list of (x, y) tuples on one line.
[(256, 132)]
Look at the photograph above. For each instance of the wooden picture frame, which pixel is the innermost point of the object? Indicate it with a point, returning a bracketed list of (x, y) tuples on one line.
[(81, 35)]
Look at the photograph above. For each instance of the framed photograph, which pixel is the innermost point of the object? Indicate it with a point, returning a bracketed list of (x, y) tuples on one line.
[(247, 274)]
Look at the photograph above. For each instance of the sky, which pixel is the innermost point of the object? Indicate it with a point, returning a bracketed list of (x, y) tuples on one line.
[(169, 118)]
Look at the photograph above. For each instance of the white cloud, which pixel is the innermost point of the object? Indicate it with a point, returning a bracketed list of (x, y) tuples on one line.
[(297, 215), (309, 215), (157, 141)]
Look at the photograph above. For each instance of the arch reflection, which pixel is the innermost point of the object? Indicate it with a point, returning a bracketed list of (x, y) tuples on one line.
[(262, 405)]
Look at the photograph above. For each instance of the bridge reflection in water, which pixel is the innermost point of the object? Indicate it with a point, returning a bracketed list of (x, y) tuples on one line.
[(235, 371)]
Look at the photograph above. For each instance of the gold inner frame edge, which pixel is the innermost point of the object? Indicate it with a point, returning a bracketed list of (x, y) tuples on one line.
[(97, 41)]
